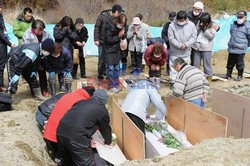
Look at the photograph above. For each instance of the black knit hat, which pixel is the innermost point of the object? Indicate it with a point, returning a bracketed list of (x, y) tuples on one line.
[(48, 45), (79, 21)]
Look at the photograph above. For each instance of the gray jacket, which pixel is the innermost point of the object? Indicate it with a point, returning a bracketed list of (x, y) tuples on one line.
[(140, 97), (179, 35), (204, 41), (30, 37), (240, 38), (135, 41)]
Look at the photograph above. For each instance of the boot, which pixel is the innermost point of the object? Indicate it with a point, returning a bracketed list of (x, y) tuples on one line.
[(240, 75), (229, 74), (68, 87), (124, 68), (138, 70), (142, 68), (38, 94), (135, 71), (53, 89), (62, 88)]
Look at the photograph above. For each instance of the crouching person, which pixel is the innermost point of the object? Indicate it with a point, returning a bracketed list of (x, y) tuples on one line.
[(155, 57), (59, 62), (23, 61), (190, 83), (77, 127), (137, 101)]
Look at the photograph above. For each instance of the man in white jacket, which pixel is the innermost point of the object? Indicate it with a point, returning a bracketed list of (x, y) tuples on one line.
[(182, 34), (138, 99)]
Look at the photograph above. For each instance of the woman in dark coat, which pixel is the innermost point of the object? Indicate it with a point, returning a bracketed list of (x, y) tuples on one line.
[(82, 37), (115, 31)]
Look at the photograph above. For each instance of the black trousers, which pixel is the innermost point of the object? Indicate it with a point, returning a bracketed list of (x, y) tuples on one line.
[(82, 67), (32, 81), (101, 61), (52, 149), (137, 121), (75, 153), (238, 60), (42, 78), (154, 73), (136, 58), (192, 56), (3, 60)]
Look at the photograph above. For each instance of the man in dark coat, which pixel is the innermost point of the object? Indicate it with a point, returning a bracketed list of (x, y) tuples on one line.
[(115, 31), (82, 34), (164, 35), (104, 18), (23, 60), (77, 127), (4, 42)]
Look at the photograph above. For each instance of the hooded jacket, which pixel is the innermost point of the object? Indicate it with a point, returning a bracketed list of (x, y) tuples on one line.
[(61, 107), (20, 26), (99, 30), (151, 59), (25, 56), (240, 38), (179, 35), (30, 37)]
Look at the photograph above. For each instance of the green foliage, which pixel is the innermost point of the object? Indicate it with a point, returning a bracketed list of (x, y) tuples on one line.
[(227, 5)]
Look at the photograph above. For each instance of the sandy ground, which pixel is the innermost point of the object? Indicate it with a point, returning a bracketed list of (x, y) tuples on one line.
[(22, 143)]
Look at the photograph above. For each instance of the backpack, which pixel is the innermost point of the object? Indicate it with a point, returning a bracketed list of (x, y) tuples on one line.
[(154, 40), (5, 102)]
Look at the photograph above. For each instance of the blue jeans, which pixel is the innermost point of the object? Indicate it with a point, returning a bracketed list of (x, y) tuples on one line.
[(198, 102), (113, 75)]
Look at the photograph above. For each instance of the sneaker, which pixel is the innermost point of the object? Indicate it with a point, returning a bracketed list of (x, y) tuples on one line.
[(3, 89), (45, 94), (63, 89), (239, 78)]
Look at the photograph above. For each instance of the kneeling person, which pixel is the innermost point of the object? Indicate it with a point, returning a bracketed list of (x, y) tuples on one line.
[(138, 99), (77, 127)]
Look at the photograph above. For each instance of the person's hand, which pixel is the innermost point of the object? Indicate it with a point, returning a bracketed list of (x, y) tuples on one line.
[(204, 98), (83, 43), (157, 67), (79, 44), (183, 47), (215, 27), (97, 43), (93, 143), (153, 67), (122, 32), (14, 79), (13, 46)]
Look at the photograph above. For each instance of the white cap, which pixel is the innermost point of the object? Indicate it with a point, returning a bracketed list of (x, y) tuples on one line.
[(199, 5), (136, 21)]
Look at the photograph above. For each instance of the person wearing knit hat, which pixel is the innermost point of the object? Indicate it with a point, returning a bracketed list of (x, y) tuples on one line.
[(23, 60), (77, 126), (47, 46), (78, 56)]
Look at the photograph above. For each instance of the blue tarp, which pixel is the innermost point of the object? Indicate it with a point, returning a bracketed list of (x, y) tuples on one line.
[(220, 41)]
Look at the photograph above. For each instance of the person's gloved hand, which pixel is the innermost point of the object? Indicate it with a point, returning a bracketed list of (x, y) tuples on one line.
[(33, 74), (14, 79)]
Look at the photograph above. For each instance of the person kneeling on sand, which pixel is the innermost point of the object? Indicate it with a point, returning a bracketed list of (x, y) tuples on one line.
[(77, 127), (190, 83), (56, 113), (138, 99)]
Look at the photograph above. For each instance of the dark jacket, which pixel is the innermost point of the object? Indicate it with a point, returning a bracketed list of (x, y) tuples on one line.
[(82, 36), (59, 64), (124, 53), (112, 44), (82, 121), (194, 19), (240, 38), (102, 20), (4, 40), (66, 37), (46, 107), (25, 56), (164, 33)]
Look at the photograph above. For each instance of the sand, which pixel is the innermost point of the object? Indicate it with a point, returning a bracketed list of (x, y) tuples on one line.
[(22, 143)]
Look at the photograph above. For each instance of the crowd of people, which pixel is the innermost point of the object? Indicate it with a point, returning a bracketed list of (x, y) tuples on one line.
[(68, 120)]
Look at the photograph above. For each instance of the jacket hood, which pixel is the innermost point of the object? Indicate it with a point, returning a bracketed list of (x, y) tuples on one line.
[(21, 18), (106, 12)]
